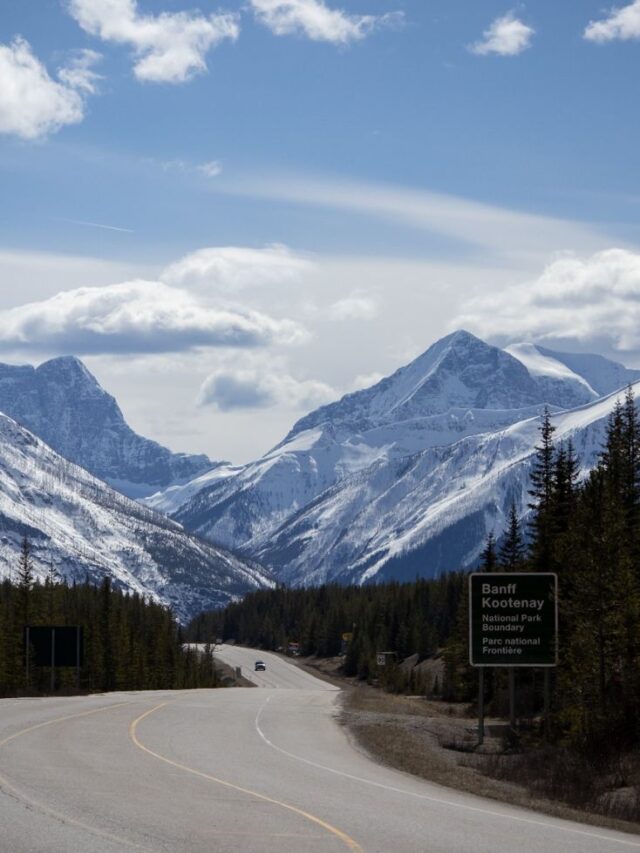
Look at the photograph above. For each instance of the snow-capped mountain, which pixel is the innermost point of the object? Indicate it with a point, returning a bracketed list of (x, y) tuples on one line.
[(591, 374), (64, 405), (458, 372), (427, 513), (460, 387), (82, 528)]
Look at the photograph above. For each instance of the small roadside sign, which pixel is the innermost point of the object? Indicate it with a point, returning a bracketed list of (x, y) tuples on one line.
[(381, 660), (50, 645), (347, 637), (513, 619)]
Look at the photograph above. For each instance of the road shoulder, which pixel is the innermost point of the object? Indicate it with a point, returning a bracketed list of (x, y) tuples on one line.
[(427, 739)]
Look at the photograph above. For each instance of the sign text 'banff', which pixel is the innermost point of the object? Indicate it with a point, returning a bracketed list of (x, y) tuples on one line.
[(512, 619)]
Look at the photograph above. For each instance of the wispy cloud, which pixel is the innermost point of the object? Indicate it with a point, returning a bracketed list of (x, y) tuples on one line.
[(357, 306), (169, 48), (98, 225), (79, 73), (32, 103), (210, 169), (621, 23), (491, 229), (575, 299), (318, 22), (506, 36)]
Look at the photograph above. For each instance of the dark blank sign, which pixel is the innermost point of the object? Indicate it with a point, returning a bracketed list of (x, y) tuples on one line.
[(62, 645)]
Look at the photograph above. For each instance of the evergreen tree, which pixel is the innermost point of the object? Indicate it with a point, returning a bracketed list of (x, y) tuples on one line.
[(25, 582), (106, 668), (488, 557), (563, 497), (542, 485), (512, 550), (599, 604)]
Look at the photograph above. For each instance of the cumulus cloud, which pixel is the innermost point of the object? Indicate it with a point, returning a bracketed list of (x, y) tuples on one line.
[(622, 23), (354, 307), (253, 384), (232, 268), (32, 103), (314, 19), (136, 317), (170, 47), (506, 36), (574, 299)]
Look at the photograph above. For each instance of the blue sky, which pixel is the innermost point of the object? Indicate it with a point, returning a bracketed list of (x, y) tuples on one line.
[(349, 144)]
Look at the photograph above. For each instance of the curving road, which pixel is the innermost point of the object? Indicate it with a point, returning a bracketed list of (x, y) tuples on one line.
[(236, 770)]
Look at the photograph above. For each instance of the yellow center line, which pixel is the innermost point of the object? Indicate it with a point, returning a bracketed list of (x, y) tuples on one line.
[(346, 839), (65, 819)]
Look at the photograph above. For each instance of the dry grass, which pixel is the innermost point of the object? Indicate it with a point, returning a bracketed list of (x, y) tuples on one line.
[(611, 789), (436, 741)]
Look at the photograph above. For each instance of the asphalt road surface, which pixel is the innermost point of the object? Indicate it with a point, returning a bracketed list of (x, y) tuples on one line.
[(243, 770)]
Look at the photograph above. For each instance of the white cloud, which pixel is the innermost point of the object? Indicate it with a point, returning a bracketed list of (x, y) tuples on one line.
[(78, 74), (211, 169), (232, 268), (506, 233), (33, 104), (354, 307), (366, 380), (622, 23), (31, 276), (102, 225), (135, 317), (575, 299), (314, 19), (170, 47), (250, 384), (507, 36)]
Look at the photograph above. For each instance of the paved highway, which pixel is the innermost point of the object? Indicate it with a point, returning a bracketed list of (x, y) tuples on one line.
[(238, 770)]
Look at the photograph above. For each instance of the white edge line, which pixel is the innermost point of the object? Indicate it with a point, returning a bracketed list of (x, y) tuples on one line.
[(431, 799)]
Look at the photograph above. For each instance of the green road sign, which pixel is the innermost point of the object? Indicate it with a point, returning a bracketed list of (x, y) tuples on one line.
[(513, 619)]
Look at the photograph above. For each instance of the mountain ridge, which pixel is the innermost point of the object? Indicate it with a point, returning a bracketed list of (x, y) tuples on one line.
[(65, 405), (80, 527), (436, 506), (345, 458), (459, 386)]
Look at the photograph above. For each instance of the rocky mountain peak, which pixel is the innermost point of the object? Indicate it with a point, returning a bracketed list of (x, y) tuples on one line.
[(68, 370), (458, 371), (63, 403)]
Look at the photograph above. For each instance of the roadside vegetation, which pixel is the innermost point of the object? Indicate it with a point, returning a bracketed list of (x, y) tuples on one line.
[(129, 642), (587, 530), (401, 619)]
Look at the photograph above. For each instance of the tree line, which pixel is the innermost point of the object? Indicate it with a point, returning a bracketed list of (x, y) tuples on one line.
[(130, 643), (402, 618), (587, 530)]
